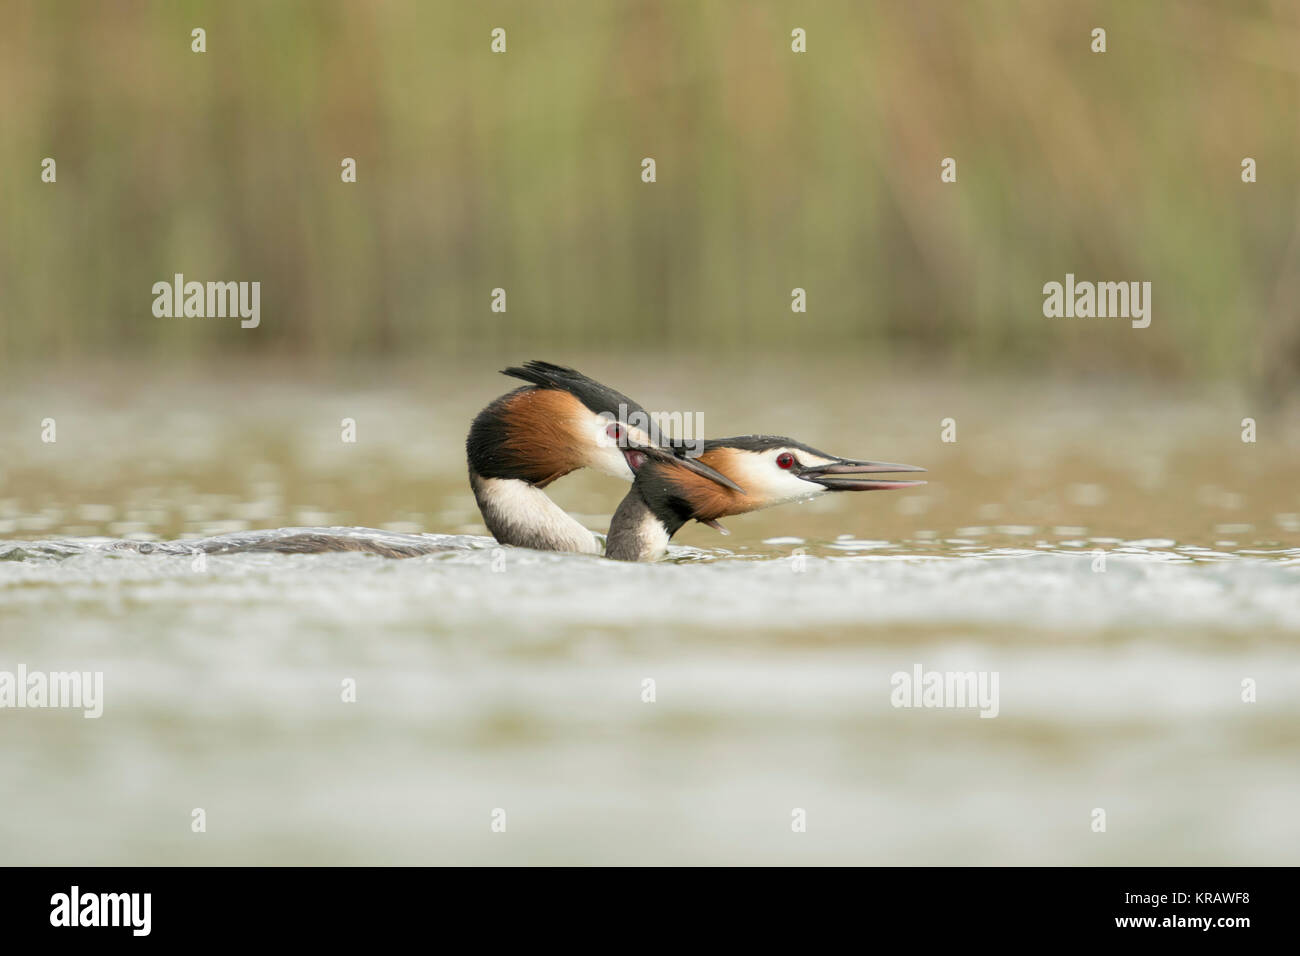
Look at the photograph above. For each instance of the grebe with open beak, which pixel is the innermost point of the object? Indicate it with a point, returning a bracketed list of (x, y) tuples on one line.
[(562, 421), (774, 471)]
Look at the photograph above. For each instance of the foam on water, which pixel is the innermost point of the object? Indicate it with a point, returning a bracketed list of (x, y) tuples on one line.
[(468, 582)]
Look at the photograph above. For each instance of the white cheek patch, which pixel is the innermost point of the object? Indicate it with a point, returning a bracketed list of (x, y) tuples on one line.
[(764, 479), (791, 488), (638, 436), (808, 460), (602, 451)]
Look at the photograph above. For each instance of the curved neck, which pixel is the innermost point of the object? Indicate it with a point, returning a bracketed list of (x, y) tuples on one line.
[(521, 514), (636, 533)]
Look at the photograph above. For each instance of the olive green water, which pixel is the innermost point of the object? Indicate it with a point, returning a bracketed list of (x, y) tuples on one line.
[(515, 681)]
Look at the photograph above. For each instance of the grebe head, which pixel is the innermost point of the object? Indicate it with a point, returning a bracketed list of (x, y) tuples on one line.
[(773, 470), (563, 421)]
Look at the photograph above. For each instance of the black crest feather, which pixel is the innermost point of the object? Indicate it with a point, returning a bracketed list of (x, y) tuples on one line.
[(597, 397)]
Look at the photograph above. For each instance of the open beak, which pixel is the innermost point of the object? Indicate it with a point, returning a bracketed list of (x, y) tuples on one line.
[(848, 475), (637, 453)]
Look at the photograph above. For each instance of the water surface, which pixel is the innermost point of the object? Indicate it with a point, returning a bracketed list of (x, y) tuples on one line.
[(1122, 561)]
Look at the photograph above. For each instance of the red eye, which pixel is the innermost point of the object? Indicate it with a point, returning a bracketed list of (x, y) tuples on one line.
[(614, 431), (785, 460)]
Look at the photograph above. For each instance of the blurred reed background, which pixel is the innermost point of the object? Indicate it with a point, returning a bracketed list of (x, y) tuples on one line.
[(775, 170)]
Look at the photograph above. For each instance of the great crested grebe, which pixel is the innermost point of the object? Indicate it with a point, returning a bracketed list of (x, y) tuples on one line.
[(560, 422), (774, 470)]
